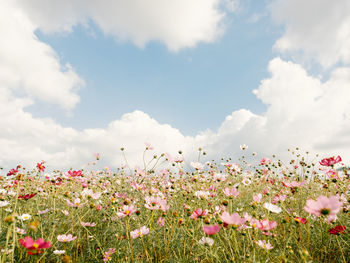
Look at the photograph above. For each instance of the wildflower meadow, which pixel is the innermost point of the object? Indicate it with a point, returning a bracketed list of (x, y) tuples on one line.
[(170, 209)]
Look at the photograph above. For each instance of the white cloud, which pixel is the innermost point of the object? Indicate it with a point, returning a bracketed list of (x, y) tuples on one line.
[(177, 24), (319, 29), (31, 67), (301, 111)]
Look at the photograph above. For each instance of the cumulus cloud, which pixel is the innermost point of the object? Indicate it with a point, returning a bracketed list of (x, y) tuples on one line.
[(31, 67), (319, 29), (301, 111), (177, 24)]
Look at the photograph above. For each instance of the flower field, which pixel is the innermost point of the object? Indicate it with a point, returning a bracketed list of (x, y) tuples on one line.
[(222, 211)]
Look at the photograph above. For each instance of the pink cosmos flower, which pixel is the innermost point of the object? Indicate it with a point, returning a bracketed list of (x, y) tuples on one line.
[(257, 198), (161, 221), (265, 224), (231, 192), (139, 232), (127, 210), (148, 146), (324, 206), (156, 203), (265, 161), (293, 184), (197, 165), (211, 230), (199, 213), (34, 247), (337, 230), (88, 224), (76, 203), (233, 219), (330, 161), (66, 238), (264, 245), (107, 255)]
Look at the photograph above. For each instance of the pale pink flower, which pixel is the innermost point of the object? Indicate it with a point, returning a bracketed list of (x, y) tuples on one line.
[(76, 203), (231, 192), (257, 198), (197, 165), (323, 206), (206, 240), (156, 203), (265, 224), (264, 245), (88, 224), (293, 184), (148, 146), (139, 232), (233, 219), (161, 221), (127, 210), (265, 161), (66, 238), (107, 255)]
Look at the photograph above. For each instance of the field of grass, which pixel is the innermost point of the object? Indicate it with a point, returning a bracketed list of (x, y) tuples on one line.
[(201, 212)]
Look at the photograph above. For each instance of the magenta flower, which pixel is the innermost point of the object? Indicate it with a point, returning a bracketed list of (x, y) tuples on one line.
[(34, 247), (211, 230), (198, 213), (330, 161), (233, 219), (324, 206)]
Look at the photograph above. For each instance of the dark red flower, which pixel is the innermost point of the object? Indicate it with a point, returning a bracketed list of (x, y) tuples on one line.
[(330, 161), (12, 172), (27, 196), (75, 173), (337, 230)]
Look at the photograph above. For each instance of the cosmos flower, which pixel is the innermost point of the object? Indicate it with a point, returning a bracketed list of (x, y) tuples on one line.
[(34, 247), (330, 161), (264, 245), (324, 206), (139, 232), (211, 230), (206, 240), (66, 238)]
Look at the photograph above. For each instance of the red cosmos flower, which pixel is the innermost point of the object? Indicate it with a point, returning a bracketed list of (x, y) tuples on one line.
[(300, 220), (337, 230), (211, 230), (27, 196), (12, 172), (40, 166), (75, 173), (330, 161), (34, 247)]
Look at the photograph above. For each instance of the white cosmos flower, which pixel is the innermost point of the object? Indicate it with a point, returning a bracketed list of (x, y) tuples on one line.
[(4, 203), (246, 181), (59, 252), (273, 208), (25, 217), (206, 240), (243, 147)]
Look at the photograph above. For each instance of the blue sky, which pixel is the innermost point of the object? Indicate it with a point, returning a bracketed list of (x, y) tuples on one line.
[(192, 89), (182, 74)]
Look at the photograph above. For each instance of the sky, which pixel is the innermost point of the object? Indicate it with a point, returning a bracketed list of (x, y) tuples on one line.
[(81, 77)]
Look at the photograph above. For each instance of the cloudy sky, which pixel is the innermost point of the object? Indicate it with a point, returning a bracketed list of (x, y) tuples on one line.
[(86, 76)]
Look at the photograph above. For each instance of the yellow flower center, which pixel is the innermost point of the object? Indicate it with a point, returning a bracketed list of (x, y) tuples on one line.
[(35, 245)]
